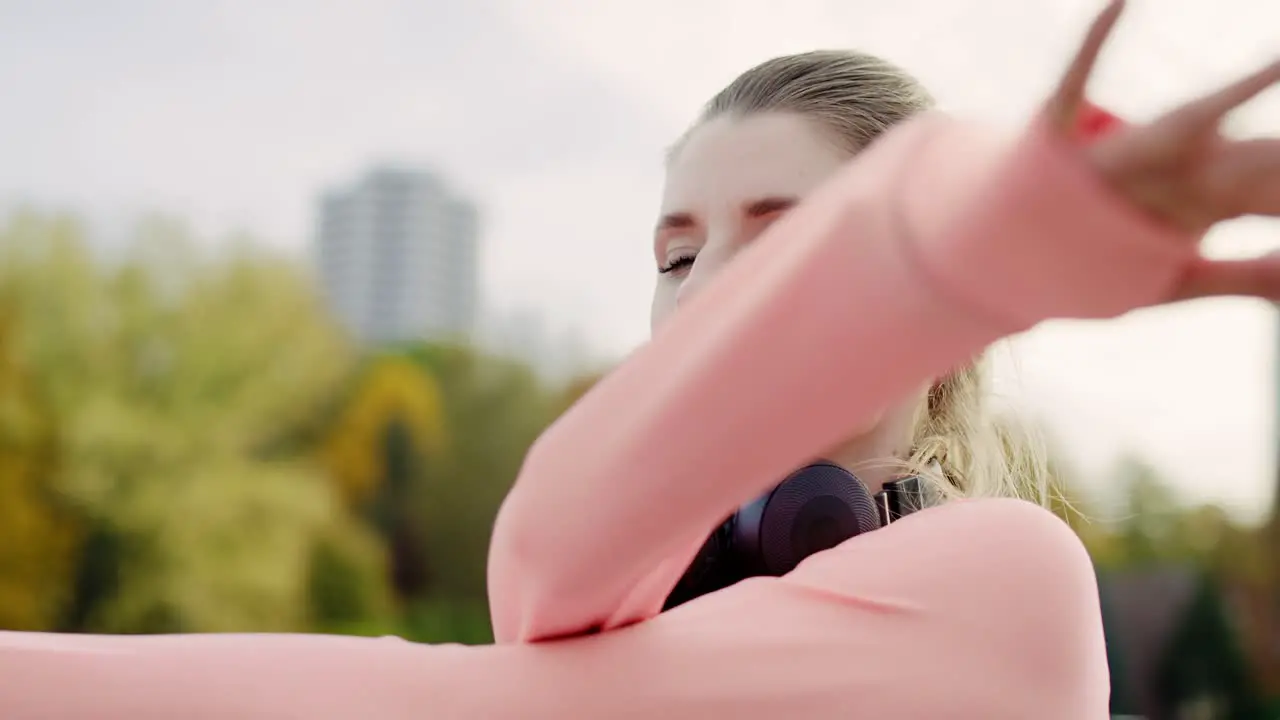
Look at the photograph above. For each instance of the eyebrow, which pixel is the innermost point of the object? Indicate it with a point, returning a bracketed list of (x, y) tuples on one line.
[(768, 205), (754, 209), (675, 221)]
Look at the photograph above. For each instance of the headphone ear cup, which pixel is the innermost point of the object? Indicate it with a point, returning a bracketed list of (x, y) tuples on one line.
[(712, 568), (816, 508)]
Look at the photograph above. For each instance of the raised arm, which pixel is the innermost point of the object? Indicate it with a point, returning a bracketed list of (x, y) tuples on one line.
[(867, 630), (934, 242), (614, 497)]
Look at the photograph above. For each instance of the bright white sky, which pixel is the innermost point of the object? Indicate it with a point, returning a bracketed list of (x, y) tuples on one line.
[(554, 115)]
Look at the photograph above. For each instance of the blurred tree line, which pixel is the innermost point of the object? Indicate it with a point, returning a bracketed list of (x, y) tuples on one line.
[(1152, 526), (1189, 602), (188, 444)]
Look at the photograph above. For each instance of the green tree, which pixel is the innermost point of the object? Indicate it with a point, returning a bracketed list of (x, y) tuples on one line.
[(1150, 530), (1155, 527), (172, 374), (494, 409), (390, 391), (424, 447), (39, 535), (377, 450)]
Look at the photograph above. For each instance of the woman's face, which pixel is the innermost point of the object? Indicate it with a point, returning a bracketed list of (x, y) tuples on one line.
[(726, 183)]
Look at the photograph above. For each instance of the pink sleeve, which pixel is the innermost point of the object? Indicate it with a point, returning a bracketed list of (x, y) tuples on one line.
[(866, 630), (934, 242)]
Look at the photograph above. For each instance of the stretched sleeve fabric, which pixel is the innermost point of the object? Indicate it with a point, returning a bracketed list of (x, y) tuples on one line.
[(934, 242), (939, 239), (865, 631)]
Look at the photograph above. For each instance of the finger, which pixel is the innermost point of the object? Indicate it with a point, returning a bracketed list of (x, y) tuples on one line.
[(1209, 110), (1067, 100), (1244, 178), (1259, 277)]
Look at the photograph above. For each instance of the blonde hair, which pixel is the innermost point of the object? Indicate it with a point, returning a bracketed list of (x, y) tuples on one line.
[(960, 447)]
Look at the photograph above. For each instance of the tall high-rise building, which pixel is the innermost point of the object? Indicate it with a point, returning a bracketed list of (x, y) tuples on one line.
[(398, 257)]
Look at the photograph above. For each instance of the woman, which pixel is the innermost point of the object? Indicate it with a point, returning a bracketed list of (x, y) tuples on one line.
[(895, 269)]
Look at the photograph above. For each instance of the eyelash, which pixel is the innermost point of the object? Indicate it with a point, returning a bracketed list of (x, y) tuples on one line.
[(677, 263)]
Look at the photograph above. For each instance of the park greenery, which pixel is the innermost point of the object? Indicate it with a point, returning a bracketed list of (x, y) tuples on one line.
[(189, 443)]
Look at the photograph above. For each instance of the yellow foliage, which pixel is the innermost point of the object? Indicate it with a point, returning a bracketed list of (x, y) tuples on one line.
[(392, 389), (38, 540)]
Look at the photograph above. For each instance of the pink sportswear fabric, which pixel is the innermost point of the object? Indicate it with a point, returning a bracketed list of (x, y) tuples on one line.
[(934, 242)]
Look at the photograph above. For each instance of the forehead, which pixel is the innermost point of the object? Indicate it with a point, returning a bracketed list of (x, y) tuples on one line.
[(730, 160)]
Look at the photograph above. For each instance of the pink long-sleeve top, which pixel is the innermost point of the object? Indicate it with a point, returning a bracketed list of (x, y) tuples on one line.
[(934, 242)]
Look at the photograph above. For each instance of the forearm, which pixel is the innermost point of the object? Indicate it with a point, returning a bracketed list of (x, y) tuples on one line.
[(248, 677), (983, 609)]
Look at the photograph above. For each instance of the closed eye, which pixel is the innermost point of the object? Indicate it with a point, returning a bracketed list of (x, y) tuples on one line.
[(677, 264)]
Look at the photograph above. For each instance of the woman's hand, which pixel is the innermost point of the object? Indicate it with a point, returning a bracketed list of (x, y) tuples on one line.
[(1181, 170)]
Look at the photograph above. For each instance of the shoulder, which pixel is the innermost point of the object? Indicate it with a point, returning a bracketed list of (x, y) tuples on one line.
[(1003, 583), (1000, 553), (980, 540), (985, 553), (1024, 537)]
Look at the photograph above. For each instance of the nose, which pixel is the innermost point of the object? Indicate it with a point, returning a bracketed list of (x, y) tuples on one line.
[(688, 289), (708, 264)]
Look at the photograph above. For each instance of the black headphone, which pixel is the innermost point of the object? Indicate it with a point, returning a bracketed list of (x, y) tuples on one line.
[(817, 507)]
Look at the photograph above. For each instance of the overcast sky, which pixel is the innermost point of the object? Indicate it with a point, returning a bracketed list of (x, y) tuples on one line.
[(553, 115)]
